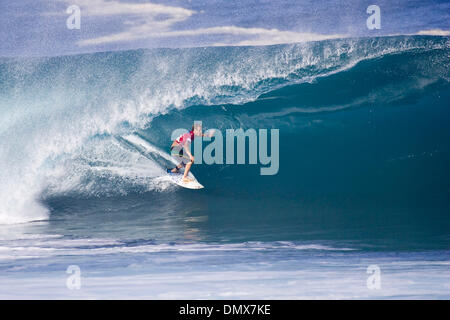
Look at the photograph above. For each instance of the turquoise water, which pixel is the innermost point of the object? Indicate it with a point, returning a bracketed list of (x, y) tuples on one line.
[(363, 176)]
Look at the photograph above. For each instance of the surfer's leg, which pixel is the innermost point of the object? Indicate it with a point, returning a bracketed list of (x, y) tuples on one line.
[(177, 154), (186, 171), (177, 168)]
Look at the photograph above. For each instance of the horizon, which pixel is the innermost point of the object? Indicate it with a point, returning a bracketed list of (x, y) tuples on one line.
[(213, 46)]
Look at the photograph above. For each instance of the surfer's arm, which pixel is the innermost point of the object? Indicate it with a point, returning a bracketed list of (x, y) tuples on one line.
[(211, 134)]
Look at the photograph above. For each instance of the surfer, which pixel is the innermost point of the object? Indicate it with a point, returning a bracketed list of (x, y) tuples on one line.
[(180, 146)]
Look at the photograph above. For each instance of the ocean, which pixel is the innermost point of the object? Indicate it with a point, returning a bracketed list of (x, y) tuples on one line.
[(359, 208)]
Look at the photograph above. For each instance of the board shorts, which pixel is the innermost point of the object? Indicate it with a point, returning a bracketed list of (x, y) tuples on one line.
[(178, 155)]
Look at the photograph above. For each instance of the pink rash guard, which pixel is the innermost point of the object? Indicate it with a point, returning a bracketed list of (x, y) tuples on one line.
[(185, 138)]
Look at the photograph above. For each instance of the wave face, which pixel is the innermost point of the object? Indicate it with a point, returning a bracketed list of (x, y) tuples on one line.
[(362, 122)]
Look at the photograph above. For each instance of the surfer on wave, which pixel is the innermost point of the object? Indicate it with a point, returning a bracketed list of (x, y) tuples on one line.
[(180, 146)]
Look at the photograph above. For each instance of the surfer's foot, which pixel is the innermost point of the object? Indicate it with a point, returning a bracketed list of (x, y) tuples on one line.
[(174, 170), (186, 179)]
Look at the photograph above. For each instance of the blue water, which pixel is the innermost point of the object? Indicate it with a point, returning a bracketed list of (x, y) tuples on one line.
[(363, 176)]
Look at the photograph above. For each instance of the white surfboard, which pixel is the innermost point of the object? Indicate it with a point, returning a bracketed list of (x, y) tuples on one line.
[(178, 179)]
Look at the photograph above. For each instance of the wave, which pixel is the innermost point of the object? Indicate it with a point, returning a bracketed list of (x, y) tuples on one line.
[(61, 116), (38, 246)]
